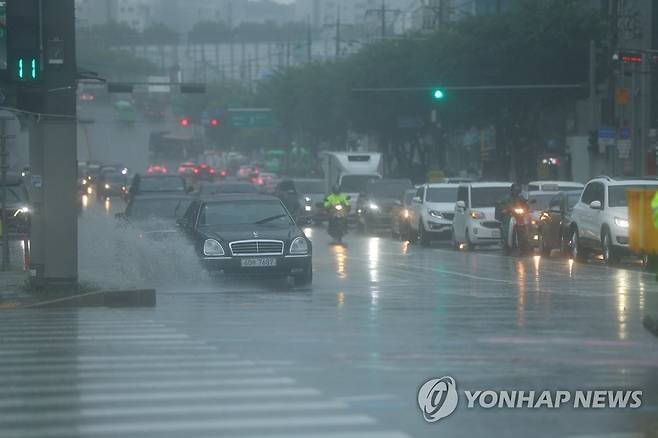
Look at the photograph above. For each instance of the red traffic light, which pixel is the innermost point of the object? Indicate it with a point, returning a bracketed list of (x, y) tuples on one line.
[(185, 122), (214, 122)]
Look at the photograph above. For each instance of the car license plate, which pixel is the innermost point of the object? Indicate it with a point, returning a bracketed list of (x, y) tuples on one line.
[(495, 234), (260, 262)]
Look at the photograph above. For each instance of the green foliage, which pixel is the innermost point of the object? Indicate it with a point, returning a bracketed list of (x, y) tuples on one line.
[(534, 42)]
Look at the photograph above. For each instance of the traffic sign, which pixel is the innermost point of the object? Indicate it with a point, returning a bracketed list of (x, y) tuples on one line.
[(606, 138), (251, 117)]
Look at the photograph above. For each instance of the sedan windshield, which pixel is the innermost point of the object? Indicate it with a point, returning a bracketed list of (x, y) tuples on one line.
[(442, 194), (144, 209), (267, 213), (617, 194), (482, 197)]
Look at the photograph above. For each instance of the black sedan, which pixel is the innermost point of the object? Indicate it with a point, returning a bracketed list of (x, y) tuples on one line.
[(555, 221), (157, 184), (155, 216), (248, 234), (376, 202)]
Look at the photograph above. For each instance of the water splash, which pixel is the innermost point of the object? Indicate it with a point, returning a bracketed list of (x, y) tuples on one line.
[(115, 256)]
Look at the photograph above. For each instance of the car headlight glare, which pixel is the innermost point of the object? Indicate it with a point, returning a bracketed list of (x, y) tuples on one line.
[(436, 214), (405, 213), (107, 186), (373, 206), (212, 248), (22, 210), (307, 199), (299, 246), (476, 214), (621, 222)]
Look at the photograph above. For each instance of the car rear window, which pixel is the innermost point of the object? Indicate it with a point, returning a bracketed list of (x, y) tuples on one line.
[(161, 184)]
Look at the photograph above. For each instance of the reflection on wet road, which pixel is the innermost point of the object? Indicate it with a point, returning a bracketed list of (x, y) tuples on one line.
[(344, 357)]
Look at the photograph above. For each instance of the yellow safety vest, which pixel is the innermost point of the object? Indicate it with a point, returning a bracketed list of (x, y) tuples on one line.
[(654, 209)]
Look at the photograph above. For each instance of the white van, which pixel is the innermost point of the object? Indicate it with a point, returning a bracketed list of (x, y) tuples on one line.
[(474, 222)]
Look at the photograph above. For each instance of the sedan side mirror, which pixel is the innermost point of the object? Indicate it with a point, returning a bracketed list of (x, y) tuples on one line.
[(595, 205), (461, 205)]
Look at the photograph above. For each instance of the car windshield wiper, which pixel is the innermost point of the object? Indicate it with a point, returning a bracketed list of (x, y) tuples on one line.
[(269, 219)]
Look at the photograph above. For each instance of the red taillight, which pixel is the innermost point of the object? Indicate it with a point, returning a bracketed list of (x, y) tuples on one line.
[(222, 173), (164, 170), (211, 170), (181, 170), (203, 165), (196, 171), (149, 170)]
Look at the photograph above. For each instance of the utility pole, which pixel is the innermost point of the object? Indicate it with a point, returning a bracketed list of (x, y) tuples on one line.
[(645, 111), (338, 32), (309, 40), (4, 166), (382, 13), (613, 42)]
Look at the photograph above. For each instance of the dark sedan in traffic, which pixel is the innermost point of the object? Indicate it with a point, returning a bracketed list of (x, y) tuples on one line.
[(248, 234), (555, 222)]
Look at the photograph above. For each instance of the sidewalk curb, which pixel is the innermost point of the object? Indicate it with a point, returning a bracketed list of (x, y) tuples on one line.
[(114, 298)]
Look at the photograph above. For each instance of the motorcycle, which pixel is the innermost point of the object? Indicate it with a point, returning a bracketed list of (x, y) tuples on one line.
[(517, 237), (338, 222)]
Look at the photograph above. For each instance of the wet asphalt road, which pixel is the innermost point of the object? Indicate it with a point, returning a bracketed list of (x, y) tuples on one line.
[(343, 358)]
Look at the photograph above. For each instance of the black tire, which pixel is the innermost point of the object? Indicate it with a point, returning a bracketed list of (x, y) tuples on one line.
[(610, 256), (424, 237), (413, 235), (305, 279), (564, 246), (404, 233), (577, 251), (453, 240), (543, 248)]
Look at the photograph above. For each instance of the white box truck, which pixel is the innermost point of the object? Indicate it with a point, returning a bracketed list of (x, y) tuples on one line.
[(351, 171)]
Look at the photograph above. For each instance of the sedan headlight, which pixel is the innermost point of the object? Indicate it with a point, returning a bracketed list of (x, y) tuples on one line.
[(299, 246), (373, 206), (212, 248), (436, 214), (307, 199), (476, 214), (621, 222), (107, 186)]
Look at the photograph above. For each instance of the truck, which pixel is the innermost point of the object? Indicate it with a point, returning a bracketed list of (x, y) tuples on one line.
[(351, 171)]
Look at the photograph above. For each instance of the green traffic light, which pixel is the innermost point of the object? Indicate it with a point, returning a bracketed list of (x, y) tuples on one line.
[(438, 94)]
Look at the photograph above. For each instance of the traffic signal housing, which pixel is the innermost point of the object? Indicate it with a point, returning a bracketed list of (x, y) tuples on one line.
[(24, 51)]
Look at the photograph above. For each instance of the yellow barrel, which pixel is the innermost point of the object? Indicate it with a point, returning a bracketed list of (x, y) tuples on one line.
[(642, 234)]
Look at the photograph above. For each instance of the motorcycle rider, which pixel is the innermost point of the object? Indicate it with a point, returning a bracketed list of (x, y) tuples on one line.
[(335, 198), (506, 207)]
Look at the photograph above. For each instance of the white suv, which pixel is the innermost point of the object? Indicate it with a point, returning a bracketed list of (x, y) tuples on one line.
[(432, 210), (474, 222), (599, 221)]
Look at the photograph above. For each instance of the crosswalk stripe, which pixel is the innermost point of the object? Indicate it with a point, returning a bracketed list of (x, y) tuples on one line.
[(78, 338), (144, 385), (98, 414), (184, 427), (132, 358), (113, 375), (122, 365), (154, 396)]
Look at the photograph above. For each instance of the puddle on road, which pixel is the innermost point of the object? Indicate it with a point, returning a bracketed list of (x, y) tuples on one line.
[(112, 256)]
